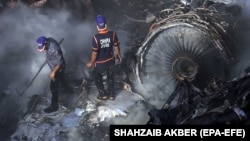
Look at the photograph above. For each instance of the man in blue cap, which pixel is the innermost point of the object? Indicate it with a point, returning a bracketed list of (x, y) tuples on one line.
[(104, 43), (56, 63)]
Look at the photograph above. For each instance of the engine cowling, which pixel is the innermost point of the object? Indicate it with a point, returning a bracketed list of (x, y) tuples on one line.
[(181, 44)]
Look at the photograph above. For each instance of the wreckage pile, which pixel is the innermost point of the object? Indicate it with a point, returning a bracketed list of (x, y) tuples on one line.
[(85, 117), (221, 102)]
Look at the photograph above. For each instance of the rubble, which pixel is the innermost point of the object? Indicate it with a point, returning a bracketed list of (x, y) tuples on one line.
[(76, 118), (221, 102)]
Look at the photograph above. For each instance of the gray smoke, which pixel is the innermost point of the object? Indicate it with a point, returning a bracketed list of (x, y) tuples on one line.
[(20, 60), (241, 34), (20, 28)]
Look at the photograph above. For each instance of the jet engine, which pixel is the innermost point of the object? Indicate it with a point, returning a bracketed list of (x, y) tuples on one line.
[(183, 44)]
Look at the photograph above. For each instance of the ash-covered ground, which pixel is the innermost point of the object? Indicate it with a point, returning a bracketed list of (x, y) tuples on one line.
[(81, 115)]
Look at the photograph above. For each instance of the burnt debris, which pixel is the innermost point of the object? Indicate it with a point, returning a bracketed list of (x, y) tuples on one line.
[(221, 102)]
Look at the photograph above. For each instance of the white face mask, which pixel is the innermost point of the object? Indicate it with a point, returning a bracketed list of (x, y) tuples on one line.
[(42, 49)]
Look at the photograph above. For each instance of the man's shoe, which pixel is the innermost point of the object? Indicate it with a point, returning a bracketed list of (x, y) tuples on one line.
[(111, 98), (102, 97), (51, 108)]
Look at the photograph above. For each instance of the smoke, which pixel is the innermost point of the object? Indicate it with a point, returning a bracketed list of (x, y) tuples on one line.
[(138, 114), (20, 28), (20, 60), (242, 38)]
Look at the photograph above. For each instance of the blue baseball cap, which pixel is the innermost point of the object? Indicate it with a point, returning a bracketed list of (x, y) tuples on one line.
[(41, 42), (100, 21)]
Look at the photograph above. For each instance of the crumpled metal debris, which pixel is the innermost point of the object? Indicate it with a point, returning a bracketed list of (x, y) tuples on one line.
[(222, 102)]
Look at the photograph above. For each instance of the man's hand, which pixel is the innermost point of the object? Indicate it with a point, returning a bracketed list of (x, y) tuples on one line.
[(120, 59), (89, 65), (53, 72), (52, 75), (92, 60)]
